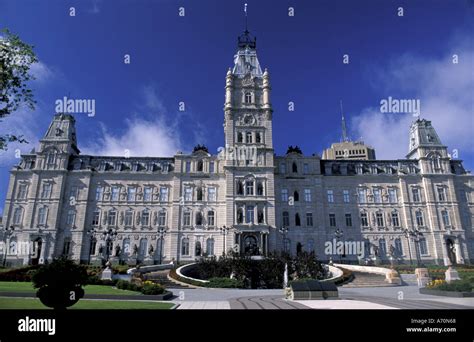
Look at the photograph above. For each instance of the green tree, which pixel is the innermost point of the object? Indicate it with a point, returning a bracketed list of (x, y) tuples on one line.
[(16, 59)]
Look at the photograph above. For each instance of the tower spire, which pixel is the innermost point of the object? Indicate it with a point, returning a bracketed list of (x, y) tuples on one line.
[(344, 129)]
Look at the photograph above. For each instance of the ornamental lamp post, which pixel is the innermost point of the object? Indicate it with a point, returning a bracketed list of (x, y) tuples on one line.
[(7, 233), (224, 230), (407, 234), (161, 236), (338, 233), (284, 230)]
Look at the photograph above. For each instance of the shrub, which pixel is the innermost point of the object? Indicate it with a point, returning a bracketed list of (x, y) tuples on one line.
[(19, 274), (463, 285), (150, 288), (225, 283)]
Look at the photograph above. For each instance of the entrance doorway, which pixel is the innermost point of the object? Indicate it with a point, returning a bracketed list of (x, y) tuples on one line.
[(37, 247), (251, 245), (451, 251)]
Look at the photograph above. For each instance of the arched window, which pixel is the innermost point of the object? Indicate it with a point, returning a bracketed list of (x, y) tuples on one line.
[(286, 245), (210, 246), (200, 166), (198, 249), (310, 245), (382, 247), (294, 168), (248, 97), (162, 219), (67, 246), (211, 218), (42, 215), (240, 137), (92, 246), (240, 187), (240, 215), (286, 219), (198, 218), (297, 220), (248, 137), (398, 247), (126, 248), (143, 246), (435, 163), (299, 248), (199, 194), (419, 218), (185, 246), (296, 196), (260, 188), (51, 159), (258, 137), (445, 217), (249, 184)]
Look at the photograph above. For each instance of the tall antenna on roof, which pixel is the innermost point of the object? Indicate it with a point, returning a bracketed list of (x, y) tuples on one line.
[(344, 129), (245, 10)]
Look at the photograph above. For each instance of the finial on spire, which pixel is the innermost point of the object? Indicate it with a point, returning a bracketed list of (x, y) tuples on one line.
[(344, 129), (245, 10)]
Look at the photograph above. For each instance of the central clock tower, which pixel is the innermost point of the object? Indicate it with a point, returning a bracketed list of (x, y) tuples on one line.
[(249, 152)]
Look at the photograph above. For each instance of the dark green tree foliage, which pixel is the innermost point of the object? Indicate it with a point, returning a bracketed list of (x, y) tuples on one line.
[(60, 283), (16, 58)]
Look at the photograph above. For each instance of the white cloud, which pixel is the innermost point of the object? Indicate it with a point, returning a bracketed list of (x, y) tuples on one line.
[(141, 138), (151, 132), (445, 90), (41, 72)]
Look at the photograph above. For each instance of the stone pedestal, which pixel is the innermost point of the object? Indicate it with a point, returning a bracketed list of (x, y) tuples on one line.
[(106, 274), (422, 276), (393, 277), (451, 274)]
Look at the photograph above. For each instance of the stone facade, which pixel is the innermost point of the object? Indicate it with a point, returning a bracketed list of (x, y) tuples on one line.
[(245, 199)]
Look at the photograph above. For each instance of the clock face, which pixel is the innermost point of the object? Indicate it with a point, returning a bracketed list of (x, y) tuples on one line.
[(249, 119)]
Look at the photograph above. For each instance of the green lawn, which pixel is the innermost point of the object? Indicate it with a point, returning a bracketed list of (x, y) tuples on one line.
[(31, 303), (27, 287)]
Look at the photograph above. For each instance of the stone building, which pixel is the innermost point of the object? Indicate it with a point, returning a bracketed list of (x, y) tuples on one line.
[(245, 198)]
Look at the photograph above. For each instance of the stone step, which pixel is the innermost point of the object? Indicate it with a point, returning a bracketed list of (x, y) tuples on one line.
[(161, 277), (367, 280)]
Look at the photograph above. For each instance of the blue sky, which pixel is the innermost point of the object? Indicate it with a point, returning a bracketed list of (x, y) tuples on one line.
[(185, 59)]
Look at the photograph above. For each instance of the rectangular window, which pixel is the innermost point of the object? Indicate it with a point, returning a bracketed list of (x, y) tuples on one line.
[(392, 195), (348, 220), (42, 216), (131, 194), (188, 166), (395, 219), (282, 168), (163, 194), (445, 216), (22, 191), (249, 217), (46, 193), (210, 218), (187, 218), (345, 194), (330, 196), (211, 194), (115, 193), (416, 194), (211, 167), (73, 193), (307, 195), (379, 217), (112, 218), (332, 220), (441, 194), (145, 218), (249, 187), (305, 168), (162, 219), (362, 196), (284, 195), (423, 246), (309, 219), (95, 218), (188, 193), (71, 217), (147, 194), (99, 193), (363, 220), (128, 218), (377, 196)]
